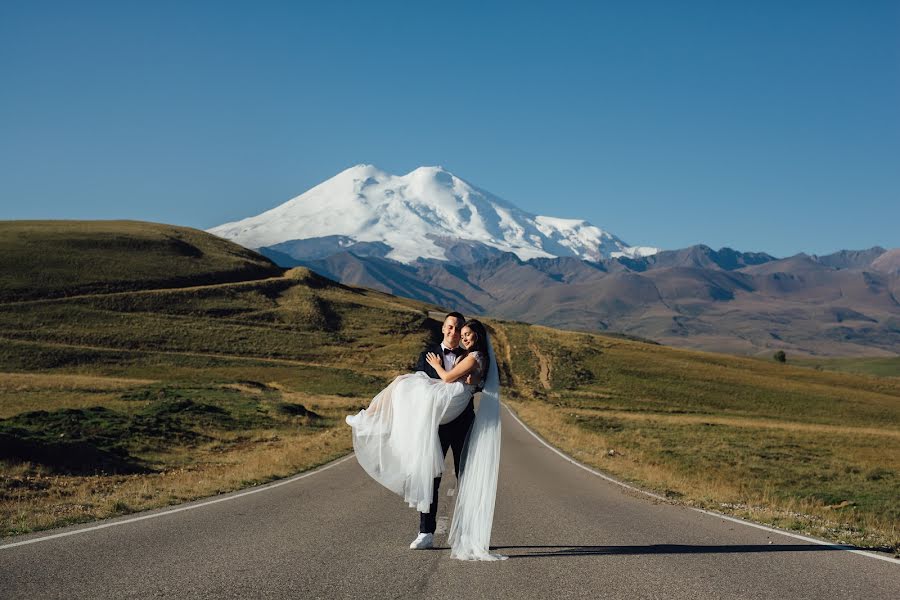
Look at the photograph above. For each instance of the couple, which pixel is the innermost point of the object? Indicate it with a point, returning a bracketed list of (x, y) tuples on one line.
[(401, 439)]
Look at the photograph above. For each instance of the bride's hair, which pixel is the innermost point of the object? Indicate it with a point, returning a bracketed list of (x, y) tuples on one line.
[(481, 339)]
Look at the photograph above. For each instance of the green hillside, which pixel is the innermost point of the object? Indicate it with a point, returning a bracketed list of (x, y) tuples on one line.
[(115, 401), (881, 366), (40, 259)]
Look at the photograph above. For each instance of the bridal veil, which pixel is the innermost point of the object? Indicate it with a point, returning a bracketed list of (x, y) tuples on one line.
[(473, 518)]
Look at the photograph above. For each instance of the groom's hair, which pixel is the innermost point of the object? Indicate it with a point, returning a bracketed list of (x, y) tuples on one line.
[(459, 318)]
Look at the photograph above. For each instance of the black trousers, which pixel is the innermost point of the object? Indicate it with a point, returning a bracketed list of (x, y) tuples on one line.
[(452, 435)]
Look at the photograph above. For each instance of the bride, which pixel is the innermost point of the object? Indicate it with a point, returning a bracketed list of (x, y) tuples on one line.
[(396, 439)]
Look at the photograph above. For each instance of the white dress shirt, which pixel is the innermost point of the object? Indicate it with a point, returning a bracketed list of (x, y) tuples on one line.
[(449, 360)]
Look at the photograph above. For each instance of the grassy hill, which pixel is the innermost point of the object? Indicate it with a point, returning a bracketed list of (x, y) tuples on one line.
[(881, 366), (62, 258), (136, 393)]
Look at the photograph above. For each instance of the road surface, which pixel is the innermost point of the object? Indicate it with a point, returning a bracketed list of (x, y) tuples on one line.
[(334, 533)]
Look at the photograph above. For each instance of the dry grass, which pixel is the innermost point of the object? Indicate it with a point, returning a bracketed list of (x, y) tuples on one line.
[(18, 382), (752, 423), (708, 474), (34, 496), (20, 392), (34, 499)]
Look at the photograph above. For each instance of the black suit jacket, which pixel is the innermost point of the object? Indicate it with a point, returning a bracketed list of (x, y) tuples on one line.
[(422, 365)]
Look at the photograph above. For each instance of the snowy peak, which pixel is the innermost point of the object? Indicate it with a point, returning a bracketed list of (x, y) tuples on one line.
[(418, 215)]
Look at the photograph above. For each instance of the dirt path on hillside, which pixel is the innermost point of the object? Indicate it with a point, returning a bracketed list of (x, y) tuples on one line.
[(546, 365), (248, 283)]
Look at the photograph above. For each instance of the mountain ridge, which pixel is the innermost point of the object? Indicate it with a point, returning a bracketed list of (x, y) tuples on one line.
[(725, 300)]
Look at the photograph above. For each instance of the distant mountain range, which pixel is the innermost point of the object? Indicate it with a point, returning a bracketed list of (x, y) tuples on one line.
[(431, 236)]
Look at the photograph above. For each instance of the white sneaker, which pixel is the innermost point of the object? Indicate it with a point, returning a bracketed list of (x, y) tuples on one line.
[(423, 542)]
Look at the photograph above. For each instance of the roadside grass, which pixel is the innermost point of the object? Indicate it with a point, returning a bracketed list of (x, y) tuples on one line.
[(33, 498), (158, 443), (796, 448)]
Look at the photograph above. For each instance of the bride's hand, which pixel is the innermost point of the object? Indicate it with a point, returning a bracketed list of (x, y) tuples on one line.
[(434, 360)]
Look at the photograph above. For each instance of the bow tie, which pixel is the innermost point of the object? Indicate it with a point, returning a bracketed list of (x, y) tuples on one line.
[(454, 351)]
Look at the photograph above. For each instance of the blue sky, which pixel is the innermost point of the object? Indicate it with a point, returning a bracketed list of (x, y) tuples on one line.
[(763, 126)]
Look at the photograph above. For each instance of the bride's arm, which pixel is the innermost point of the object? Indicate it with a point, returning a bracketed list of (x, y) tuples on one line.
[(462, 368)]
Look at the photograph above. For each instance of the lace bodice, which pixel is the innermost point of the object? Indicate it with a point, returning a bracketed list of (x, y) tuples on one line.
[(476, 377)]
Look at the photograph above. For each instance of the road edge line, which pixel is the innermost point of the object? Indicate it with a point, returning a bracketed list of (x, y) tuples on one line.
[(182, 508), (700, 510)]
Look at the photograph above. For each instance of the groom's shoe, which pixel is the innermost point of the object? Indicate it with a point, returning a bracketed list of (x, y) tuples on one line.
[(423, 542)]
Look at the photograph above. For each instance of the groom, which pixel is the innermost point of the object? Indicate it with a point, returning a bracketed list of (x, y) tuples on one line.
[(452, 434)]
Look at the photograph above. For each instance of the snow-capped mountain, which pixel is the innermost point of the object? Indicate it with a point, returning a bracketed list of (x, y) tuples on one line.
[(418, 215)]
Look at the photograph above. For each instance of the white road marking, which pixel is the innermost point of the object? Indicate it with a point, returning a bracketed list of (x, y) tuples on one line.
[(700, 510), (442, 524), (255, 490)]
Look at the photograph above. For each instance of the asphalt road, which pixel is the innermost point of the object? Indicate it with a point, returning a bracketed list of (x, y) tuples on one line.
[(334, 533)]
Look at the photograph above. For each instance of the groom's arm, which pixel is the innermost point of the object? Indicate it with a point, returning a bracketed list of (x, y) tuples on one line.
[(422, 365)]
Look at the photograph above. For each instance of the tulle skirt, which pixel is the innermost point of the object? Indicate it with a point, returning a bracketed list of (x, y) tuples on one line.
[(396, 437)]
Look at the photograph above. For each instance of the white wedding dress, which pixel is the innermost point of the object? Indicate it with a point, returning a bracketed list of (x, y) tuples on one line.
[(396, 442)]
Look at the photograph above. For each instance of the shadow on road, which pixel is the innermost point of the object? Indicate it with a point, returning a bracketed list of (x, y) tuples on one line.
[(550, 551)]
